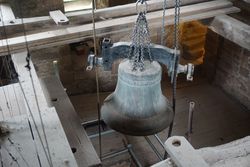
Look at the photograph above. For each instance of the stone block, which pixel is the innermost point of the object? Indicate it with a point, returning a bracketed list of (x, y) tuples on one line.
[(32, 8), (231, 46), (244, 72), (233, 72), (243, 87)]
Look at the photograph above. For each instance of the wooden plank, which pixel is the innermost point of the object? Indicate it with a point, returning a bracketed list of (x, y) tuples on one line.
[(129, 9), (59, 17), (85, 155), (232, 29), (10, 104), (78, 33), (17, 146), (6, 13)]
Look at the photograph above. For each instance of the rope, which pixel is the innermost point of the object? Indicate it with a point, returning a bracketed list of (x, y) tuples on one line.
[(28, 58), (33, 119), (97, 80), (176, 47), (8, 64), (28, 65), (7, 68)]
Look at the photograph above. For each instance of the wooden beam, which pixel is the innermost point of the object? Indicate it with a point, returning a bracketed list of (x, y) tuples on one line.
[(85, 154), (45, 23), (78, 33), (19, 142), (232, 29), (111, 12)]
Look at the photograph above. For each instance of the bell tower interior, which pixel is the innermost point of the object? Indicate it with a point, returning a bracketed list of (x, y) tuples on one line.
[(124, 83)]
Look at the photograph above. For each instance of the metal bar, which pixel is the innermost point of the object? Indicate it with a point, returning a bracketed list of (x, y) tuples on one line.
[(114, 154), (92, 123), (154, 148), (102, 134), (56, 69), (159, 140), (190, 120), (133, 156)]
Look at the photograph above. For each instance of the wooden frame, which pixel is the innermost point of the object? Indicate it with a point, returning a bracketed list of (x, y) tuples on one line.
[(117, 25)]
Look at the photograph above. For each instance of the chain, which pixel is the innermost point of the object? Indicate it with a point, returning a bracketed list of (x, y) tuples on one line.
[(140, 45), (163, 31), (177, 24)]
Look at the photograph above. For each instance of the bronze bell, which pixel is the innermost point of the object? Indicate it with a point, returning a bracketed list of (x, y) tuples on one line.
[(138, 107)]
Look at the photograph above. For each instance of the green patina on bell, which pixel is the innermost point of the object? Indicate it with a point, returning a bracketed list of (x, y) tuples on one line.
[(138, 107)]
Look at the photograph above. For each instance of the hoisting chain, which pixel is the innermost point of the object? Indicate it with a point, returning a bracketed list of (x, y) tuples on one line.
[(140, 46), (176, 39), (177, 25), (163, 31)]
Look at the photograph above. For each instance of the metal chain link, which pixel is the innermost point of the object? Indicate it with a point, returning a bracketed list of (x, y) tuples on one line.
[(140, 46), (163, 31), (177, 24)]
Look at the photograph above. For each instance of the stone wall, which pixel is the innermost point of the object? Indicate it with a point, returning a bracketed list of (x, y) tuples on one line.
[(72, 65), (244, 15), (32, 8), (228, 66), (72, 61)]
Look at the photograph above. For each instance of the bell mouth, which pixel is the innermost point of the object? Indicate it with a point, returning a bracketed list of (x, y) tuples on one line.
[(138, 107), (125, 124)]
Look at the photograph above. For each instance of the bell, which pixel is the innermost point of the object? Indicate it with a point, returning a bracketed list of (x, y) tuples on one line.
[(138, 107)]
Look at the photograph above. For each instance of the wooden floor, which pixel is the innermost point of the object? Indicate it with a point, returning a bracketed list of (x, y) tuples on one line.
[(32, 129), (218, 119)]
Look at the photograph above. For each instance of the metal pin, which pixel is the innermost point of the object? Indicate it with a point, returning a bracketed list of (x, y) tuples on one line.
[(190, 120), (56, 69)]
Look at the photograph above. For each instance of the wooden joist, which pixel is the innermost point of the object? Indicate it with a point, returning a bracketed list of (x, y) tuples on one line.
[(17, 147), (46, 23), (124, 24), (85, 154), (112, 12)]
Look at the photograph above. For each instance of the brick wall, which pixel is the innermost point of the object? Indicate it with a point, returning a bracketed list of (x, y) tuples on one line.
[(228, 66)]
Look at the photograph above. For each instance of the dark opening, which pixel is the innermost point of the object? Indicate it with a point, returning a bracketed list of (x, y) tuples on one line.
[(8, 74)]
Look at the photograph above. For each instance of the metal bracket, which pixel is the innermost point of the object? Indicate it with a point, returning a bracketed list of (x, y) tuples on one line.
[(187, 69), (114, 51)]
